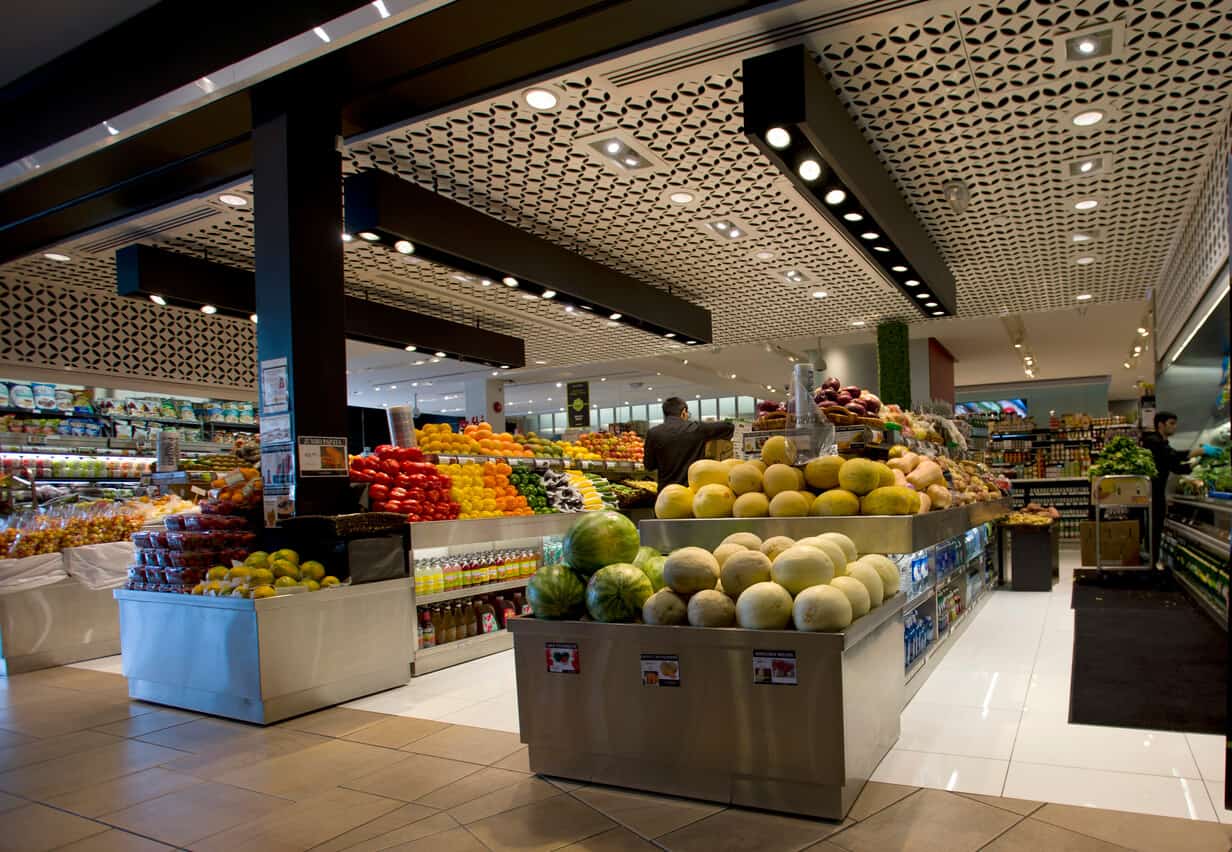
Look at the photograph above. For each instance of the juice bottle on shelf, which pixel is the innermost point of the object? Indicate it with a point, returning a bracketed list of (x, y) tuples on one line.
[(486, 617), (453, 574), (437, 577), (427, 633), (521, 605), (472, 618), (504, 611), (491, 569), (438, 625)]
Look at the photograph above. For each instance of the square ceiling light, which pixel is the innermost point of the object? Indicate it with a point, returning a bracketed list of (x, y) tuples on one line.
[(1092, 44), (727, 229), (1089, 166), (620, 153)]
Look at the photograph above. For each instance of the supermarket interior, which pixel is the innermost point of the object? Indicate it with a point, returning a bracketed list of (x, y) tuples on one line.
[(429, 427)]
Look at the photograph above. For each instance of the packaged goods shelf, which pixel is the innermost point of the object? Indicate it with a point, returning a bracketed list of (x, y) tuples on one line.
[(921, 598), (150, 418), (479, 530), (470, 591), (439, 657), (1215, 505), (596, 465), (1220, 547), (1203, 598), (52, 480)]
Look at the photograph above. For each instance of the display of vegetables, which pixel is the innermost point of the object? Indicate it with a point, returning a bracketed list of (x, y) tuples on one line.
[(1122, 456)]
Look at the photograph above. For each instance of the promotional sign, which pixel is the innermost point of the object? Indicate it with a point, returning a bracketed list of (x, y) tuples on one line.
[(322, 456), (275, 386), (660, 670), (562, 657), (775, 667), (577, 403)]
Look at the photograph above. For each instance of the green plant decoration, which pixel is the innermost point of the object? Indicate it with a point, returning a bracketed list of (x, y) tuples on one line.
[(893, 365)]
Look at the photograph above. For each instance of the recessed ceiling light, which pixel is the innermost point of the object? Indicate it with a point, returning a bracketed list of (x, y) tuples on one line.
[(56, 256), (410, 348), (439, 354), (835, 196), (853, 217), (1143, 332), (930, 304), (1126, 365), (321, 34), (569, 309), (604, 379), (233, 200), (393, 387), (880, 249), (494, 373), (869, 235), (857, 323), (820, 294), (1082, 237), (612, 147), (252, 317), (778, 137), (530, 297), (615, 316), (1088, 118), (157, 299), (209, 309), (1086, 204), (346, 238), (923, 295), (810, 170), (1087, 46), (631, 161), (911, 282), (1017, 345), (794, 276), (1084, 260), (540, 98), (504, 366), (764, 255), (670, 335), (1084, 297), (938, 313), (680, 197), (369, 236), (898, 268), (404, 247), (1086, 166), (510, 281), (548, 294)]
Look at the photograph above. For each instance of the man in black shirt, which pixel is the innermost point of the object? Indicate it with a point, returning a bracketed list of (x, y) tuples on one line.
[(677, 442), (1167, 461)]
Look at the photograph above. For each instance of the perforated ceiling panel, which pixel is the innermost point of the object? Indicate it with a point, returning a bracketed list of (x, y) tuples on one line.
[(978, 94)]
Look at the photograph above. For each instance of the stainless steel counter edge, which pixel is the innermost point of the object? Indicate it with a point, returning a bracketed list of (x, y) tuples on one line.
[(447, 533), (322, 596), (847, 639)]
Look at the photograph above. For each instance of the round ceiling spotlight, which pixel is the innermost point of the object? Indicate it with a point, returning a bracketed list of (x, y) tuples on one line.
[(438, 354), (853, 217), (938, 313), (898, 268), (548, 294), (858, 323), (810, 170), (540, 98), (911, 282), (1086, 204), (404, 247), (1084, 260), (209, 309), (157, 299), (882, 249), (681, 196), (1081, 237), (835, 197), (411, 348), (930, 304), (764, 254), (252, 317), (56, 256), (820, 294), (1087, 47), (232, 200), (509, 281), (923, 295), (869, 235), (346, 238), (778, 137), (1084, 297), (1087, 118), (369, 236), (615, 317)]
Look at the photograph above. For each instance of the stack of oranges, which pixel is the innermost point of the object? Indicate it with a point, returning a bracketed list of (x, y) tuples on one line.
[(483, 490), (500, 444)]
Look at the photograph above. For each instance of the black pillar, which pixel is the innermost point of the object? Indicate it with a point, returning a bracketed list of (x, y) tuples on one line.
[(301, 351)]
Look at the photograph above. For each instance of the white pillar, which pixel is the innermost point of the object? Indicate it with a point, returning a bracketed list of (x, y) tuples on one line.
[(483, 398)]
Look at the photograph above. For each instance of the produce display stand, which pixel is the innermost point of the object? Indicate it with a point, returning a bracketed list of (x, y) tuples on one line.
[(1195, 548), (1070, 495), (1121, 491), (1035, 557), (468, 536), (269, 659), (805, 747)]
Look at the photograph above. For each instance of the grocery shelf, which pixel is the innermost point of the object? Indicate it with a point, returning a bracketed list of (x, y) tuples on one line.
[(51, 480), (597, 465), (871, 533), (923, 597), (219, 425), (463, 650), (1203, 599), (150, 418), (477, 530), (182, 477), (1208, 541), (1053, 480), (1215, 505), (470, 591)]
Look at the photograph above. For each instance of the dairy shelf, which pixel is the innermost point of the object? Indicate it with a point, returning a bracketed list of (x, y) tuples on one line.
[(470, 591)]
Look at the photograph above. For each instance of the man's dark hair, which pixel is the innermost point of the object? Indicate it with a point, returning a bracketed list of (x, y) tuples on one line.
[(1160, 417), (673, 405)]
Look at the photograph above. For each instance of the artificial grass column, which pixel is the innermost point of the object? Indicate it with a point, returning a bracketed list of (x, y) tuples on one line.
[(893, 365)]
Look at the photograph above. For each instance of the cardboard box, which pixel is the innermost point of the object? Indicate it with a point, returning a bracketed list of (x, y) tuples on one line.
[(1119, 540)]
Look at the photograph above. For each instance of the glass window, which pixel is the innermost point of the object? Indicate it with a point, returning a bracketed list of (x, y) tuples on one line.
[(545, 423), (746, 406), (605, 417), (706, 409), (637, 412), (622, 414), (562, 421), (727, 407), (657, 422)]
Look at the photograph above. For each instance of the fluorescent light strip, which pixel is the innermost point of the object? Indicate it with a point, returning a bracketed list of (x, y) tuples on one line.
[(1198, 326)]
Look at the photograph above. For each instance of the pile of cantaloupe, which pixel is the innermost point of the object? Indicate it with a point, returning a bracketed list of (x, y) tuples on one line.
[(814, 584), (773, 486)]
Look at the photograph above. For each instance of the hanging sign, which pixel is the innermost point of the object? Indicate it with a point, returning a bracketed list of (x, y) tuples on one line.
[(577, 404)]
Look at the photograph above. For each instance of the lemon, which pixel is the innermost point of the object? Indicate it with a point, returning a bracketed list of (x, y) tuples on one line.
[(263, 592), (312, 570), (218, 572), (330, 580), (282, 568), (286, 555), (283, 582), (312, 585)]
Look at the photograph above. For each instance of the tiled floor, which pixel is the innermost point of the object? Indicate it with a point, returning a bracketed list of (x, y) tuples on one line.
[(353, 779), (992, 719)]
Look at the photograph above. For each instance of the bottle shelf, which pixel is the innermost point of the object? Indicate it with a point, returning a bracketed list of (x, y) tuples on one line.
[(470, 591)]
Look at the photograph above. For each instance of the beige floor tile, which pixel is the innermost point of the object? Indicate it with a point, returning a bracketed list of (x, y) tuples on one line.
[(1032, 836), (147, 723), (15, 690), (10, 739), (196, 812), (736, 829), (35, 828), (114, 840), (524, 792), (543, 825), (123, 792), (565, 785), (474, 745), (331, 764), (75, 771), (612, 840), (49, 749), (1018, 806), (1139, 831), (429, 827), (457, 840), (396, 731), (648, 815), (242, 749), (928, 820), (334, 722), (301, 826), (392, 821), (471, 787), (8, 803), (82, 680), (877, 796), (201, 734), (412, 777), (58, 716), (519, 761)]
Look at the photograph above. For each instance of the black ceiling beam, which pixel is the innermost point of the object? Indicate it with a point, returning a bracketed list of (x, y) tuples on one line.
[(786, 92), (190, 282), (441, 230), (453, 55), (154, 52)]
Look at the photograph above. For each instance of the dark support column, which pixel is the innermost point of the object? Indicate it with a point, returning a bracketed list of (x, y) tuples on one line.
[(893, 364), (297, 173)]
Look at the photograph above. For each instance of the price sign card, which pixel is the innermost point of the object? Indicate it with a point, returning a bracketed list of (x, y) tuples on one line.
[(563, 657), (775, 667), (660, 670)]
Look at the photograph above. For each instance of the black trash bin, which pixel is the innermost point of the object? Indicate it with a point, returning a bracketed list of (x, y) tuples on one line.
[(1035, 557)]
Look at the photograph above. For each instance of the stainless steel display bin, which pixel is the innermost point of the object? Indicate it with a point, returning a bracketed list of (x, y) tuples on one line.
[(53, 625), (269, 659), (807, 748)]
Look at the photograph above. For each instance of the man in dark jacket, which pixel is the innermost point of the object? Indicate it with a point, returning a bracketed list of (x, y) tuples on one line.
[(677, 442), (1167, 461)]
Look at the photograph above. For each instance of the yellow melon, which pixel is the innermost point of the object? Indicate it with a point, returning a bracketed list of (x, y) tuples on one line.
[(779, 478), (751, 505), (706, 472), (744, 478)]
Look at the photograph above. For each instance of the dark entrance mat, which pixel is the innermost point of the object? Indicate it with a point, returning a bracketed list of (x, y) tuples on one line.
[(1145, 657)]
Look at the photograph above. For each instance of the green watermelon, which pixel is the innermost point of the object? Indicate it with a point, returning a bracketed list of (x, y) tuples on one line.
[(555, 592), (617, 592), (644, 555), (598, 539), (653, 568)]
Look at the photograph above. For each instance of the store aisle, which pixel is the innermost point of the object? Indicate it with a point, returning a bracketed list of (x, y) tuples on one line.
[(993, 720)]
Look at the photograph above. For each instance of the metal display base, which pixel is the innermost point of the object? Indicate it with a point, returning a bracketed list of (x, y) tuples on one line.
[(806, 748), (65, 622), (265, 660)]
